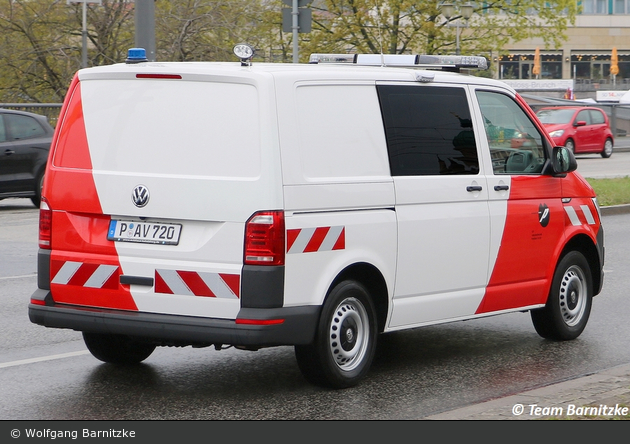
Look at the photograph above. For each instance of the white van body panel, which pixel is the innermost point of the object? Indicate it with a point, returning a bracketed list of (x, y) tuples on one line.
[(370, 238), (244, 171)]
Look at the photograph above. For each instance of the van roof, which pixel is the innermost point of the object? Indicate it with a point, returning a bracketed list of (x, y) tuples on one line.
[(290, 71)]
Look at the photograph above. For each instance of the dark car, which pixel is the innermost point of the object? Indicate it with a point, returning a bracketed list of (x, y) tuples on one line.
[(582, 129), (25, 140)]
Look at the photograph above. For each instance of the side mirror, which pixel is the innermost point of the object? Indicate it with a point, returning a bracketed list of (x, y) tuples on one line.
[(563, 160), (580, 123)]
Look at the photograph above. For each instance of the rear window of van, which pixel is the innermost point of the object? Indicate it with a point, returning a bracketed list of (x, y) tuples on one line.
[(170, 127)]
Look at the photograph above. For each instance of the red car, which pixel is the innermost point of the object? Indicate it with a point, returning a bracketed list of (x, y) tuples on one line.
[(582, 129)]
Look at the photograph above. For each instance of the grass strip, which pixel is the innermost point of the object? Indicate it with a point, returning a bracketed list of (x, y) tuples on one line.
[(615, 191)]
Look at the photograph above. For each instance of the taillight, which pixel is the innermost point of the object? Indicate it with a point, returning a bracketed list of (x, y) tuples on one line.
[(264, 239), (45, 224)]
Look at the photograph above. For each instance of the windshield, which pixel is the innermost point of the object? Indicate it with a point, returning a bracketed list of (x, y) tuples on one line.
[(555, 115)]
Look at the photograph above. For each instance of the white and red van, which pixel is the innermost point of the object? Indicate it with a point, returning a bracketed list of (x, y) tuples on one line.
[(312, 205)]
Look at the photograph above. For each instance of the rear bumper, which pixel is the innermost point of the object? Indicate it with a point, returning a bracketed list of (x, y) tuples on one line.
[(297, 327)]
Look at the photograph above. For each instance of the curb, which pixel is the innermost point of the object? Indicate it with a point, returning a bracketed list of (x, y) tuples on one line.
[(615, 209)]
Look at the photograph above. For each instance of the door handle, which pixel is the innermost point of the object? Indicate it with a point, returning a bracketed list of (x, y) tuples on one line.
[(8, 152), (471, 188), (501, 188)]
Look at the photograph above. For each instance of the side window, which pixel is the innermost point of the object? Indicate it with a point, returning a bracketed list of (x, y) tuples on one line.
[(597, 117), (516, 145), (584, 115), (23, 127), (428, 130)]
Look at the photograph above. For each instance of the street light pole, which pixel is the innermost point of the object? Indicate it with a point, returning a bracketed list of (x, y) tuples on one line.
[(84, 38), (448, 10), (84, 29), (295, 29)]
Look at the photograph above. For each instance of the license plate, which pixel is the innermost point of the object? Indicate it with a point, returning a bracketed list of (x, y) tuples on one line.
[(144, 232)]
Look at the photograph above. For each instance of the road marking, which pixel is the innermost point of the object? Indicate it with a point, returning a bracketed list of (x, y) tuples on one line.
[(43, 358), (18, 277)]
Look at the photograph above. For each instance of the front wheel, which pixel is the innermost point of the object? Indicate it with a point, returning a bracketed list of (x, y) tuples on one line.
[(345, 341), (608, 149), (117, 349), (569, 303)]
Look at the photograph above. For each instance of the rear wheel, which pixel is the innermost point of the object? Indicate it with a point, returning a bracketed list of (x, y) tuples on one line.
[(569, 303), (117, 349), (570, 145), (39, 184), (608, 149), (345, 341)]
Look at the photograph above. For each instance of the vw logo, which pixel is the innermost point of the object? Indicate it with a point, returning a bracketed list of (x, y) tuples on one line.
[(140, 196)]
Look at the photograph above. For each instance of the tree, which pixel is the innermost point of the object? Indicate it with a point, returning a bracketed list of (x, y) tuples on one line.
[(401, 26), (42, 44), (207, 30), (31, 50)]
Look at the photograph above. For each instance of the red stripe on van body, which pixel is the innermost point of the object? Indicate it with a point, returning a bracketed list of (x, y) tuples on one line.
[(529, 251), (79, 228), (71, 166)]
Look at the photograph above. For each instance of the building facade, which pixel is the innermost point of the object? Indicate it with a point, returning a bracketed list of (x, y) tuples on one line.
[(585, 57)]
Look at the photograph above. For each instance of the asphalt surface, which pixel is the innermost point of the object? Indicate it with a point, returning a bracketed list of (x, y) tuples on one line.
[(600, 396), (603, 395)]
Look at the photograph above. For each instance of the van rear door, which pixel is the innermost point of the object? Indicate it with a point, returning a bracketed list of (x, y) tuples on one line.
[(152, 180)]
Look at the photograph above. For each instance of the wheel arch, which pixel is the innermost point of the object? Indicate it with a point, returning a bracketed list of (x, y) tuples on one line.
[(585, 245), (374, 282)]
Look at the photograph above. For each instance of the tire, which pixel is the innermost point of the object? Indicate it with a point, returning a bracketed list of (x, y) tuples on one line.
[(570, 145), (608, 149), (345, 340), (569, 303), (117, 349), (39, 185)]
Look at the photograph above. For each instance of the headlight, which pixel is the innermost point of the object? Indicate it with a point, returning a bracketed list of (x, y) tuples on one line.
[(556, 133)]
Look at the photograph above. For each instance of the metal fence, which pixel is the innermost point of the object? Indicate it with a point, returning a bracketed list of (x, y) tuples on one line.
[(50, 110)]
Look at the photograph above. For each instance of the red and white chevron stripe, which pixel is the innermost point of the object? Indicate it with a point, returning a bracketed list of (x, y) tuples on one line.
[(308, 240), (192, 283), (86, 275), (572, 212)]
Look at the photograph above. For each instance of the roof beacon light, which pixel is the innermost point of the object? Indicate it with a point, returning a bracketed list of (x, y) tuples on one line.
[(136, 55), (245, 53), (444, 62)]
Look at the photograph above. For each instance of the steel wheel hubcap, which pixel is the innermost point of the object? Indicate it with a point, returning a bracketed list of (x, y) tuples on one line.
[(349, 334), (573, 296)]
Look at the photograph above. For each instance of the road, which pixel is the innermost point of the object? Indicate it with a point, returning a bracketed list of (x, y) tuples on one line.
[(618, 165), (48, 374)]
